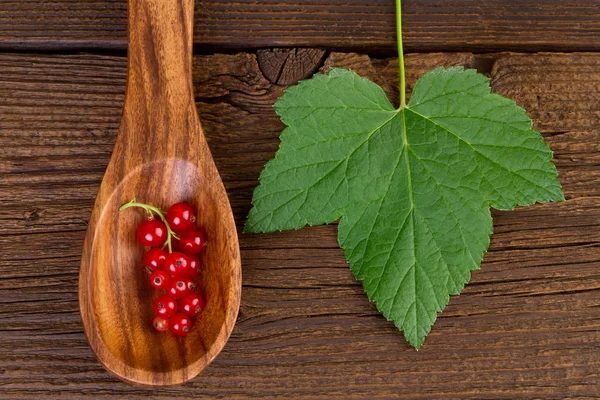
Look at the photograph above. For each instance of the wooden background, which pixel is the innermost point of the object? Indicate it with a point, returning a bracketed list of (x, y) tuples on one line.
[(526, 327)]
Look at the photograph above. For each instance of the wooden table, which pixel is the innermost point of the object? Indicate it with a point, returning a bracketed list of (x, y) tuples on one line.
[(528, 326)]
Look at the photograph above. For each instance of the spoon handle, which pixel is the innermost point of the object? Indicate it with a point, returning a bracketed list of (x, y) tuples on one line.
[(159, 99)]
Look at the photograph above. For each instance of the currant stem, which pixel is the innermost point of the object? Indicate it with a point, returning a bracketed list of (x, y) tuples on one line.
[(400, 53), (154, 210)]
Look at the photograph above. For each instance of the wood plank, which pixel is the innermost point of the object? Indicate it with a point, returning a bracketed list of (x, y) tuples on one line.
[(526, 327), (360, 25)]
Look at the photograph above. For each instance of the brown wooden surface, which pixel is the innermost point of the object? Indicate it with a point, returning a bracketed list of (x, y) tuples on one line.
[(528, 325), (358, 25), (161, 158)]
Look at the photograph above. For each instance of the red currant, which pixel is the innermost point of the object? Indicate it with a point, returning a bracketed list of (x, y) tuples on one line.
[(180, 287), (165, 306), (154, 259), (193, 266), (190, 284), (176, 264), (181, 217), (191, 305), (161, 324), (180, 324), (152, 233), (191, 242), (160, 279)]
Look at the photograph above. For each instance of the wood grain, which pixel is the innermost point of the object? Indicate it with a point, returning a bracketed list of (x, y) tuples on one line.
[(526, 327), (160, 158), (288, 66), (358, 25)]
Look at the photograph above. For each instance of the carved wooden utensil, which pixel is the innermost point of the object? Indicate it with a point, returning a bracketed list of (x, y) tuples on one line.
[(161, 157)]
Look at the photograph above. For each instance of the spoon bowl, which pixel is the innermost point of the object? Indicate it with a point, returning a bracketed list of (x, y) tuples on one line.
[(160, 158)]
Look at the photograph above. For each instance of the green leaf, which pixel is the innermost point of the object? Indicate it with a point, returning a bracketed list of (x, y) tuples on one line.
[(412, 187)]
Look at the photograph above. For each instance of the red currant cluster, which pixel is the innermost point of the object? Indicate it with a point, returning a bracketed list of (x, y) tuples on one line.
[(172, 263)]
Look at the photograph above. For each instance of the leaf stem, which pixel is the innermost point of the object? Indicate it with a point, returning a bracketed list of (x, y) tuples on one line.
[(400, 53), (151, 210)]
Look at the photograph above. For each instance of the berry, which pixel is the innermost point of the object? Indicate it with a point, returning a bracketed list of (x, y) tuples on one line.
[(165, 306), (152, 233), (181, 217), (193, 266), (180, 324), (154, 259), (176, 264), (161, 324), (191, 242), (160, 279), (191, 305), (190, 284), (180, 287)]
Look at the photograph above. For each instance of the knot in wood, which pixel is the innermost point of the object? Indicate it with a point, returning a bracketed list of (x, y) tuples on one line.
[(33, 214), (288, 66)]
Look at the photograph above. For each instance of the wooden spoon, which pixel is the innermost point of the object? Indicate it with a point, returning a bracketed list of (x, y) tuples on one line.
[(161, 157)]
